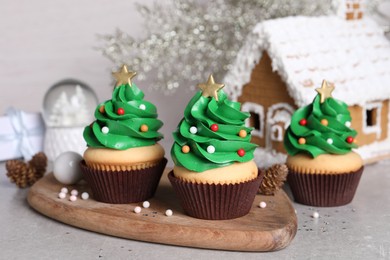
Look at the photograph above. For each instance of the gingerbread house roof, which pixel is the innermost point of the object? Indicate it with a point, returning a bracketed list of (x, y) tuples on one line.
[(353, 55)]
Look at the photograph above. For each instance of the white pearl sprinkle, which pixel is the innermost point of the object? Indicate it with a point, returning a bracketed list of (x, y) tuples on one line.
[(74, 192), (316, 214), (210, 149), (105, 130), (64, 190), (137, 209), (73, 198), (61, 195), (348, 124), (193, 130), (146, 204), (142, 106), (85, 195), (168, 212), (262, 204), (329, 141)]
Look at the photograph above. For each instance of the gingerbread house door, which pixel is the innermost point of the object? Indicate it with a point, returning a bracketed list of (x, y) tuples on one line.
[(278, 119)]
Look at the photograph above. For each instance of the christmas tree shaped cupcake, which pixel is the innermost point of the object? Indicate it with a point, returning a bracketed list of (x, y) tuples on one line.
[(323, 169), (124, 162), (214, 175)]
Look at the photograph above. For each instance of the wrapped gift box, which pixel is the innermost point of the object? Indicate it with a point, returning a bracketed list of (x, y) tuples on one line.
[(21, 134)]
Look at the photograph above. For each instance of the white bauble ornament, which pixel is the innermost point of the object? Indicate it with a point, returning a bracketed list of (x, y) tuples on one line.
[(66, 168)]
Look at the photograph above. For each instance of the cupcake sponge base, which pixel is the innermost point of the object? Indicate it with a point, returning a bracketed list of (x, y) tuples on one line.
[(216, 201), (324, 190), (120, 187)]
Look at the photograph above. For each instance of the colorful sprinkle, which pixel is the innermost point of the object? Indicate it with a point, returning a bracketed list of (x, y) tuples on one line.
[(214, 127), (349, 139), (168, 212), (324, 122), (102, 109), (241, 152), (242, 133), (329, 141), (105, 130), (348, 124), (210, 149), (301, 140), (120, 111), (185, 149), (303, 122), (142, 107), (193, 130), (144, 128)]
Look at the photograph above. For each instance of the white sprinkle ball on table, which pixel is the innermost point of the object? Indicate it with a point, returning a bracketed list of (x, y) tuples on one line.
[(316, 214), (168, 212), (74, 192), (262, 204), (137, 209), (73, 198), (64, 190), (146, 204), (62, 195), (85, 195)]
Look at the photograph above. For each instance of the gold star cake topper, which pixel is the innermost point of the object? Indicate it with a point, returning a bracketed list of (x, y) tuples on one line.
[(210, 88), (325, 91), (123, 76)]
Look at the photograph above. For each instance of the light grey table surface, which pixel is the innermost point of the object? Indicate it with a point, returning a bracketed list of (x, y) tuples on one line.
[(360, 230)]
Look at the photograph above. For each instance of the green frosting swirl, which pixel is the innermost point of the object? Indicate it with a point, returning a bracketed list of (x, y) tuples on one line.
[(320, 139), (202, 113), (124, 129)]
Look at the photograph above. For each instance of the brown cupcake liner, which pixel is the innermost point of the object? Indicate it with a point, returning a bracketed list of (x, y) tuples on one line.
[(120, 187), (324, 190), (216, 201)]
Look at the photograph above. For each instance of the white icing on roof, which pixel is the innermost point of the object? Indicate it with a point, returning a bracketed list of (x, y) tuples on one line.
[(354, 55)]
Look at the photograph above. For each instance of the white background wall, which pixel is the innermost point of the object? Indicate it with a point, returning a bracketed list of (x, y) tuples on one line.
[(42, 42)]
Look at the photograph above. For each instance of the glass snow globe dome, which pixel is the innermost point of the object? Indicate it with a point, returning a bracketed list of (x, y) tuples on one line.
[(68, 107), (69, 103)]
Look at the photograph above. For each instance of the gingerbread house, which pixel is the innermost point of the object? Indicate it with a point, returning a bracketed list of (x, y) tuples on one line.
[(282, 62)]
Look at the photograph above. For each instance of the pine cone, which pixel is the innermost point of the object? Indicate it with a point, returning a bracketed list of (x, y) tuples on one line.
[(26, 174), (17, 172), (273, 179), (39, 163)]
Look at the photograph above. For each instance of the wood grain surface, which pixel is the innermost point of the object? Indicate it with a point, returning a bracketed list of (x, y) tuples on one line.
[(268, 229)]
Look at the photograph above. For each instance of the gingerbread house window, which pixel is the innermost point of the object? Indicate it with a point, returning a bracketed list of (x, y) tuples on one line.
[(277, 133), (371, 118), (256, 119)]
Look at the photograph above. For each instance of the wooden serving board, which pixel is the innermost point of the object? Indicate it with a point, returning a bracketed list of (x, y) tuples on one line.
[(268, 229)]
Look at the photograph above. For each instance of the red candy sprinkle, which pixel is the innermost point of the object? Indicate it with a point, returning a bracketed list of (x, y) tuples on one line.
[(214, 127), (303, 122), (241, 152), (120, 111), (349, 139)]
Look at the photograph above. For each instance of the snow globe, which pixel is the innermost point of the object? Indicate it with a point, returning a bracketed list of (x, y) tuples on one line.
[(68, 107)]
